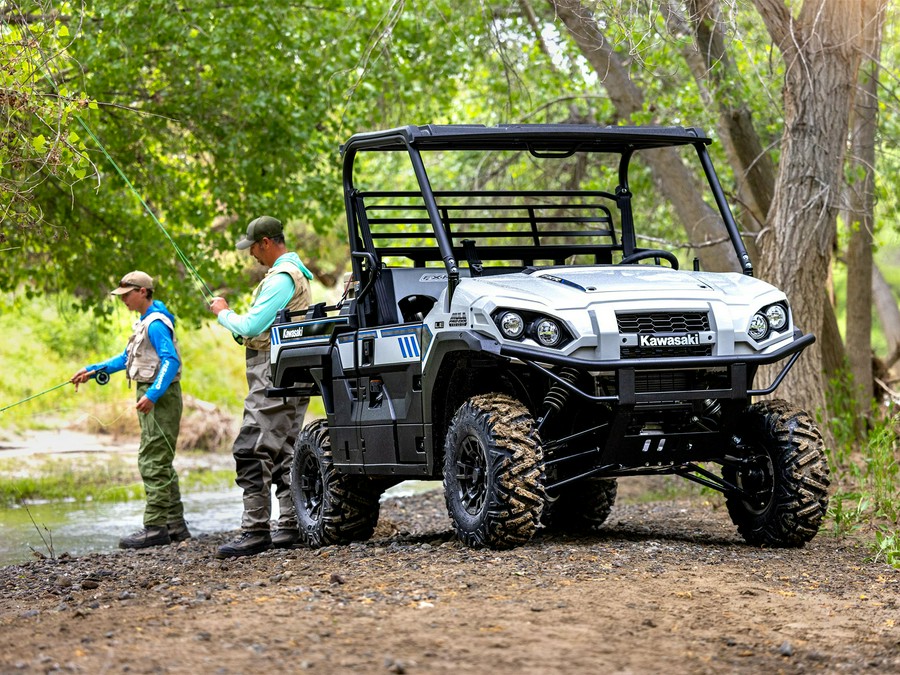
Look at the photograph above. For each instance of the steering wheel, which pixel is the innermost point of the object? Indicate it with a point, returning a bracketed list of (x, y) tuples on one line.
[(651, 253)]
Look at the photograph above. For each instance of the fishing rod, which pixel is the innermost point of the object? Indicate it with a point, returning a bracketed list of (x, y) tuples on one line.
[(102, 377), (208, 295)]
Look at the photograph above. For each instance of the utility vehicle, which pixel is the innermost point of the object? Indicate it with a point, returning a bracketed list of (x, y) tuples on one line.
[(515, 329)]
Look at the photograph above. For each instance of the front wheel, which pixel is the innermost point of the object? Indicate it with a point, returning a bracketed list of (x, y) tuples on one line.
[(493, 472), (331, 508), (782, 487)]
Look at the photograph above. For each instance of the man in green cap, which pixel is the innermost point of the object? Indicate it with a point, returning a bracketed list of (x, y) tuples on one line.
[(264, 447)]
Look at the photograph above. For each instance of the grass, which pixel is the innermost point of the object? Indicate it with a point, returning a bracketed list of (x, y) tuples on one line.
[(114, 478), (45, 341), (865, 472), (110, 479)]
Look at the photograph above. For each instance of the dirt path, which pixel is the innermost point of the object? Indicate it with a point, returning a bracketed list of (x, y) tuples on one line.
[(666, 587)]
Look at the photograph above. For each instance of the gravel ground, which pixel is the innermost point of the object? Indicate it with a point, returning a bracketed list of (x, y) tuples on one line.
[(667, 586)]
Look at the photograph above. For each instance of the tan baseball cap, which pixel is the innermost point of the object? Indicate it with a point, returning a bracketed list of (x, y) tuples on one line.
[(132, 280), (264, 226)]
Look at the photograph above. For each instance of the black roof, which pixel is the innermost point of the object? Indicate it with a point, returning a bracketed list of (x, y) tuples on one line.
[(531, 137)]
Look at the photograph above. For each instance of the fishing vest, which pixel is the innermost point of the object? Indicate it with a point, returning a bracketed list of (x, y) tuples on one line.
[(298, 301), (142, 361)]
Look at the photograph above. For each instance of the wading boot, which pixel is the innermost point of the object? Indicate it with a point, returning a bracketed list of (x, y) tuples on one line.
[(178, 531), (249, 542), (285, 538), (152, 535)]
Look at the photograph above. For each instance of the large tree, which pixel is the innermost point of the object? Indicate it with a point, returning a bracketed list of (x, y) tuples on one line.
[(822, 46), (216, 112)]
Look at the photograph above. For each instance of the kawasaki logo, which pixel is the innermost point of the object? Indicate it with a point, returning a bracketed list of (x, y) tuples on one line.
[(289, 333), (687, 340)]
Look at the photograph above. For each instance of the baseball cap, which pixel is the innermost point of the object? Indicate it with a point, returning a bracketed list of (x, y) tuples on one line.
[(132, 280), (264, 226)]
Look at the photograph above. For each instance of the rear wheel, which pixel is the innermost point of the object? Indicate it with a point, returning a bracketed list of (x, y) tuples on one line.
[(782, 491), (493, 472), (331, 508), (582, 507)]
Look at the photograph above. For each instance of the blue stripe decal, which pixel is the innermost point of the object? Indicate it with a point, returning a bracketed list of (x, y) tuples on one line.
[(415, 345), (403, 351), (399, 331)]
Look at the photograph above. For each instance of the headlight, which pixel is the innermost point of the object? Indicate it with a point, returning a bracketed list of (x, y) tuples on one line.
[(759, 327), (547, 332), (512, 325), (522, 325), (777, 316)]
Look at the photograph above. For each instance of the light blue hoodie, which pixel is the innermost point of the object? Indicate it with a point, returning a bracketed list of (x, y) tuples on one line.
[(275, 294)]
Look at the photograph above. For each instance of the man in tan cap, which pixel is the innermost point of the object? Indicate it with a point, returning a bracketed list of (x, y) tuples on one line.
[(152, 360), (264, 447)]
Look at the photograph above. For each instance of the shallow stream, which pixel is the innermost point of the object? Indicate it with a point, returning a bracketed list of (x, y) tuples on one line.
[(90, 527)]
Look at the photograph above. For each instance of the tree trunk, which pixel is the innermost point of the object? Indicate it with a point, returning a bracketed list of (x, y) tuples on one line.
[(861, 185), (888, 315), (821, 52), (753, 167)]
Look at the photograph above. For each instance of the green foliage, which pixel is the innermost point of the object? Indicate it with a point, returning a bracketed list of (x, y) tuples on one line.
[(40, 139), (866, 473), (887, 547), (216, 113)]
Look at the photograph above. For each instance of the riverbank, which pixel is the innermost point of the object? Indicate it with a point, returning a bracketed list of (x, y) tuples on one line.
[(667, 585)]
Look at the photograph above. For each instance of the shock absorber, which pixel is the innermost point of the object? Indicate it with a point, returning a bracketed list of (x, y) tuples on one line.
[(556, 397)]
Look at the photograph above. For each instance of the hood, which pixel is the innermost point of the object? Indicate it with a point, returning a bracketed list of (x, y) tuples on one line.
[(573, 287), (159, 306)]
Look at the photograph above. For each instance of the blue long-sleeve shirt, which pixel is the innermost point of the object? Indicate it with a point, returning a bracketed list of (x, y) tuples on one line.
[(275, 294), (161, 339)]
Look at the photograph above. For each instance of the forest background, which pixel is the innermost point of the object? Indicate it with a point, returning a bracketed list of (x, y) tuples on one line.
[(220, 111)]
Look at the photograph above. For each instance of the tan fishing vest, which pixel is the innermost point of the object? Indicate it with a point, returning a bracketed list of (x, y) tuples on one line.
[(142, 362), (300, 300)]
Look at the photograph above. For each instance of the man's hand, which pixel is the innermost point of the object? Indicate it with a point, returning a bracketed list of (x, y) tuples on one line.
[(145, 405), (217, 305), (80, 377)]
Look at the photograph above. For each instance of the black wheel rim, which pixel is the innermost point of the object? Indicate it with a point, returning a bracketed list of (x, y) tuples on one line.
[(471, 474), (311, 487), (757, 483)]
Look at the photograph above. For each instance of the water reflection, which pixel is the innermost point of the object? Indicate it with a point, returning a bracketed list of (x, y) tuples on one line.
[(79, 529)]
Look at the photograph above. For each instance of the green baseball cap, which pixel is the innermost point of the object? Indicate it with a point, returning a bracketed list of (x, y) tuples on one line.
[(264, 226)]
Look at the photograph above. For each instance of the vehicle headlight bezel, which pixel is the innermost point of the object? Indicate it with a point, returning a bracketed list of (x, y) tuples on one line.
[(773, 318), (542, 329)]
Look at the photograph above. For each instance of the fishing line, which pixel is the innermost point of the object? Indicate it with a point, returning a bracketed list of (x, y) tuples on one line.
[(198, 280), (201, 285)]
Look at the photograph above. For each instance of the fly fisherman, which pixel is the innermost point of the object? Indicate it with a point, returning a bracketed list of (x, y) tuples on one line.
[(151, 358), (264, 447)]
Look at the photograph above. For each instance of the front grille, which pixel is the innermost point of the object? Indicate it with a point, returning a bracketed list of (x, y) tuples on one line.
[(662, 322), (679, 380)]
